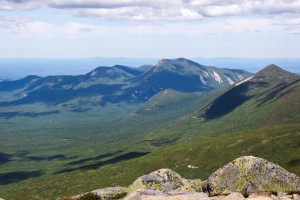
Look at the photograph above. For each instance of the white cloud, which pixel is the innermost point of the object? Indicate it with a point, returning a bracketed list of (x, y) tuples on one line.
[(21, 27), (167, 10), (113, 4), (221, 10), (161, 10), (254, 17), (26, 28), (226, 36), (21, 4), (138, 14), (13, 25)]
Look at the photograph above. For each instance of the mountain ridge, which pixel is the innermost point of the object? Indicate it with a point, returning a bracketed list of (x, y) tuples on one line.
[(127, 84), (268, 79)]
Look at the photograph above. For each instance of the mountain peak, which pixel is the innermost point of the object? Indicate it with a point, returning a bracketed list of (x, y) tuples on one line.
[(275, 73), (272, 68), (165, 60), (182, 59), (180, 64)]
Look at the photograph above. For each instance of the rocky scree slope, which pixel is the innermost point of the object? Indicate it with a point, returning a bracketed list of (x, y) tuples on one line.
[(246, 175)]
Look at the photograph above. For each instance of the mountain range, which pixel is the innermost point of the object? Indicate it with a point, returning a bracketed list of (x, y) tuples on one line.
[(62, 134), (120, 83), (16, 68)]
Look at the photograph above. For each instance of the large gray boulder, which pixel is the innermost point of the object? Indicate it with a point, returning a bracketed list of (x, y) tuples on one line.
[(249, 174), (165, 180)]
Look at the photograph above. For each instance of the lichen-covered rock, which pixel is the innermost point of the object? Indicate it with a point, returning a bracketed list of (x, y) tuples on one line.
[(250, 174), (165, 180)]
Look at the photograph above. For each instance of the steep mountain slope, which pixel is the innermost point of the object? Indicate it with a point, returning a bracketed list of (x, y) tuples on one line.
[(145, 68), (266, 86), (270, 97)]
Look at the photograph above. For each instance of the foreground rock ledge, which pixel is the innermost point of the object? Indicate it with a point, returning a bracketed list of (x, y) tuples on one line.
[(187, 195), (245, 176), (178, 195), (250, 174)]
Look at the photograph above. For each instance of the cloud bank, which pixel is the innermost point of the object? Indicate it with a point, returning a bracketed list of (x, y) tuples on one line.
[(161, 10), (149, 28)]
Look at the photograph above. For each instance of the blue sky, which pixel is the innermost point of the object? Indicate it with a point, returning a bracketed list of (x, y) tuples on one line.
[(143, 28)]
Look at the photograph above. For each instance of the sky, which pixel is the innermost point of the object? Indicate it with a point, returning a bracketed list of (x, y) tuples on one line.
[(149, 28)]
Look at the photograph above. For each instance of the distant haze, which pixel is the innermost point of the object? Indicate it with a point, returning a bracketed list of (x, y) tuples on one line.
[(15, 68)]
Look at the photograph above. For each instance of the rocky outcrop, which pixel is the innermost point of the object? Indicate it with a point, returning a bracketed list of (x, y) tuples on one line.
[(188, 195), (165, 180), (250, 174), (243, 177)]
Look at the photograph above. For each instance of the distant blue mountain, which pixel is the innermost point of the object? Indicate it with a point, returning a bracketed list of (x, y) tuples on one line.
[(16, 68), (119, 83)]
